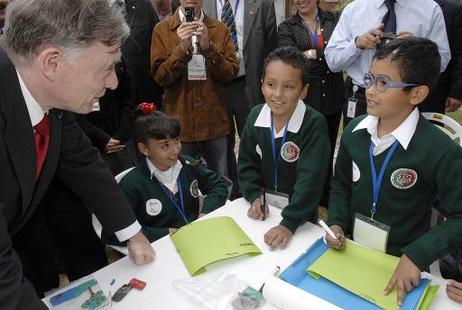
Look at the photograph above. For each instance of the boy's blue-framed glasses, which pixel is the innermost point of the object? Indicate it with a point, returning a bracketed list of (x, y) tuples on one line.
[(382, 82)]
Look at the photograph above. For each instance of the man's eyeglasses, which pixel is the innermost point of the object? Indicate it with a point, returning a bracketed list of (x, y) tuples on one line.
[(382, 83)]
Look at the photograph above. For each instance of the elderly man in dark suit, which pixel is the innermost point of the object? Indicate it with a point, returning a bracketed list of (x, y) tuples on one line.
[(253, 25), (63, 59), (448, 93)]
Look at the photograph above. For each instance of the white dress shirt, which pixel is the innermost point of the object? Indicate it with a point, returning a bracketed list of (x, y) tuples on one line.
[(423, 18), (403, 133)]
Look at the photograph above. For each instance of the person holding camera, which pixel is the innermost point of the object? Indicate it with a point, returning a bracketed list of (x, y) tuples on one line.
[(192, 57), (366, 24)]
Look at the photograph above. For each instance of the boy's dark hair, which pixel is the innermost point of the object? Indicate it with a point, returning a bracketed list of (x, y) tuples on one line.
[(156, 125), (417, 59), (291, 56)]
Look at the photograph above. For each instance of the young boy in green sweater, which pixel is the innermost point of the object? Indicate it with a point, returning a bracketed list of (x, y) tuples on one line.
[(284, 150), (393, 163), (163, 188)]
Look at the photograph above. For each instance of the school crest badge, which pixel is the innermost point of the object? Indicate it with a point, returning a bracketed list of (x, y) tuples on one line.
[(290, 152), (403, 178), (194, 188), (153, 207)]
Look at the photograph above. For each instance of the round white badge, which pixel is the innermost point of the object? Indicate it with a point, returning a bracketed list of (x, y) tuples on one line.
[(356, 172), (194, 188), (153, 207), (258, 150)]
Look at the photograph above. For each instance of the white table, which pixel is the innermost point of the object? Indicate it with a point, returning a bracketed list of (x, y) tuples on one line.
[(160, 294)]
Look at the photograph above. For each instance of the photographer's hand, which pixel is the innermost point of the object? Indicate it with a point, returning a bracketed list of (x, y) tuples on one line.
[(370, 39), (203, 35), (185, 32)]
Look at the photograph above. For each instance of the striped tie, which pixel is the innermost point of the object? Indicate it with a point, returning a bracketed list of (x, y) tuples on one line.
[(227, 17)]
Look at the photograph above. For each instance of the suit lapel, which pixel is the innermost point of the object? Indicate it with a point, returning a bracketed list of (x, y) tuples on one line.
[(251, 8), (19, 135)]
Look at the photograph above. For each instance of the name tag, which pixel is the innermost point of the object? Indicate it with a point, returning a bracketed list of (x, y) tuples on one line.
[(351, 109), (276, 199), (370, 233), (196, 68)]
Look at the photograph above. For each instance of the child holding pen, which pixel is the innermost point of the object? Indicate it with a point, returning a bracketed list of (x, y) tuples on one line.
[(393, 163), (284, 148), (163, 188)]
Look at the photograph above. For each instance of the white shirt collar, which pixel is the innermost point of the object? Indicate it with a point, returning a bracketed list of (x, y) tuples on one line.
[(403, 133), (36, 112), (295, 121), (183, 18), (167, 178)]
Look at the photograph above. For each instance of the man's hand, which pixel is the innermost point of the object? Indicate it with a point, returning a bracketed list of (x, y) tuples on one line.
[(370, 39), (338, 243), (406, 277), (140, 250), (404, 34), (114, 146), (453, 104), (255, 212), (454, 291), (185, 32), (203, 35), (278, 237)]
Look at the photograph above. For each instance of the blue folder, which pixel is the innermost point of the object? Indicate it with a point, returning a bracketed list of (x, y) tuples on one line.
[(296, 275)]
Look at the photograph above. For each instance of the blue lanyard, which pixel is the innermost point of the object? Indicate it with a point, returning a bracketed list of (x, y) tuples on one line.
[(172, 198), (314, 35), (277, 156), (235, 9), (377, 181)]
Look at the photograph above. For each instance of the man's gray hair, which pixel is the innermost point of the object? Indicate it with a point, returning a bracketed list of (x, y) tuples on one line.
[(32, 25)]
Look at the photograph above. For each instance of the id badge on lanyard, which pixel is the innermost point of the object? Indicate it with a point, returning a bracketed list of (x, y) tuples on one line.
[(196, 68), (370, 233), (352, 102), (276, 199)]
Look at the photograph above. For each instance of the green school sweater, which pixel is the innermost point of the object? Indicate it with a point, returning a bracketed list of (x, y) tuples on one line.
[(143, 193), (303, 179), (432, 167)]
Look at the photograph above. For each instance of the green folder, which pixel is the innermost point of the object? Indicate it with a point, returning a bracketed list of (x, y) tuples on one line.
[(204, 242), (364, 272)]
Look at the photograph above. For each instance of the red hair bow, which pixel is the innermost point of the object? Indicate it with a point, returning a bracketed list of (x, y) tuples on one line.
[(147, 107)]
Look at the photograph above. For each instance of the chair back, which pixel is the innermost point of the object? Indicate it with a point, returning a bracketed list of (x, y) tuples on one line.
[(446, 124)]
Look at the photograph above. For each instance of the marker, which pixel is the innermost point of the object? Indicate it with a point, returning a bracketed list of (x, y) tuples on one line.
[(274, 273), (262, 202), (327, 229)]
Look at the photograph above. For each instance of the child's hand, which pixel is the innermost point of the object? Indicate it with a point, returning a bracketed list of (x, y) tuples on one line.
[(454, 291), (172, 230), (255, 212), (338, 243), (405, 277), (278, 236)]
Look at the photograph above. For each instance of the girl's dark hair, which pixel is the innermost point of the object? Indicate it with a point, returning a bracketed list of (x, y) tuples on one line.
[(155, 125), (290, 56)]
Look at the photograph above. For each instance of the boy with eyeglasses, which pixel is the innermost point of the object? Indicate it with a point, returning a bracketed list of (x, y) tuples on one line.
[(393, 163)]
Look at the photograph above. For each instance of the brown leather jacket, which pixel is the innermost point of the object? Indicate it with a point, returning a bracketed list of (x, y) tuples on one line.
[(200, 105)]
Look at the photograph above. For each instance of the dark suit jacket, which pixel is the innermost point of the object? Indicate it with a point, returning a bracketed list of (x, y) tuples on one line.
[(70, 158), (260, 38), (136, 51), (450, 81), (326, 91)]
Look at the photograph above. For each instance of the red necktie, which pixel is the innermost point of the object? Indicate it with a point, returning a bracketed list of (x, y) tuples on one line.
[(42, 137)]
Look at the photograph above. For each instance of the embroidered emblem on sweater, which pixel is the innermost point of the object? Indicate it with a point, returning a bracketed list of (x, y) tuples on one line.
[(153, 207), (356, 173), (194, 189), (403, 178), (290, 152)]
